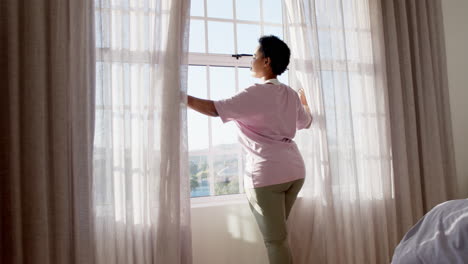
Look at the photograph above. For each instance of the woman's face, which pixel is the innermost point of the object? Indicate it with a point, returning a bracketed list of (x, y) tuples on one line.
[(259, 65)]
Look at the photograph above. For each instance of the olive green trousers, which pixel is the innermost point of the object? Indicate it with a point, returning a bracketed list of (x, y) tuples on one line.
[(271, 206)]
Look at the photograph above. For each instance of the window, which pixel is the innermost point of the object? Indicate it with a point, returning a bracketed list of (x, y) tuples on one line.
[(349, 83), (218, 30)]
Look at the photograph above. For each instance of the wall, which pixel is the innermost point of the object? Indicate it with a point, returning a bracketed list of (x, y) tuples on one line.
[(456, 38), (226, 234)]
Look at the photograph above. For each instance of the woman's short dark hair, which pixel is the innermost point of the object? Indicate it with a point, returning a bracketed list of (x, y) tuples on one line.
[(274, 48)]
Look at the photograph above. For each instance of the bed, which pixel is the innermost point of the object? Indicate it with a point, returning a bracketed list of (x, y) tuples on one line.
[(440, 237)]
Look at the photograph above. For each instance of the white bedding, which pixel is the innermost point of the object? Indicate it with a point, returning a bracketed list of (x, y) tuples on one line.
[(440, 237)]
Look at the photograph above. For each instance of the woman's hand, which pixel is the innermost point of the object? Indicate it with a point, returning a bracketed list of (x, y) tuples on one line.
[(301, 93)]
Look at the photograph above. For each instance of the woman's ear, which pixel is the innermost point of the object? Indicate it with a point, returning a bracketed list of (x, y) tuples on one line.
[(267, 61)]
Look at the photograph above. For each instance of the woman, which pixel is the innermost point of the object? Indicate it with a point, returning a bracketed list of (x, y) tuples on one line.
[(267, 116)]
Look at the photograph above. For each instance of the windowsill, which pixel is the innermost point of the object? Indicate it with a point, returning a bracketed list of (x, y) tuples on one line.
[(209, 201)]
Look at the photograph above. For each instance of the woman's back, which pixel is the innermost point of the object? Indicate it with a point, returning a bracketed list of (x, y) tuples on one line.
[(272, 110), (267, 116)]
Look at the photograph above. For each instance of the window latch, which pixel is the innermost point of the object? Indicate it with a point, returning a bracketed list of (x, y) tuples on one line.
[(237, 56)]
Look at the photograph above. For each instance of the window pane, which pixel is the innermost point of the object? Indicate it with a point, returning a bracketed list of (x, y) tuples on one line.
[(117, 84), (197, 81), (220, 37), (328, 13), (125, 30), (136, 3), (220, 8), (226, 171), (116, 3), (247, 38), (222, 86), (223, 134), (197, 131), (329, 101), (349, 17), (197, 123), (197, 36), (353, 47), (273, 30), (245, 78), (222, 82), (359, 46), (116, 20), (199, 179), (198, 135), (332, 44), (197, 8), (139, 24), (248, 10), (105, 20), (284, 78), (272, 11), (325, 44), (98, 17)]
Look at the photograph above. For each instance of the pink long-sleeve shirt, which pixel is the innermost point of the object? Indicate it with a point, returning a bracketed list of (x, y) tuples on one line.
[(267, 116)]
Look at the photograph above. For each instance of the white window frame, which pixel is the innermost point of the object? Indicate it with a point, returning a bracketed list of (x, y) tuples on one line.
[(222, 60)]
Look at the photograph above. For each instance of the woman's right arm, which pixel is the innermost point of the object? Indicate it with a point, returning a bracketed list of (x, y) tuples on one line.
[(203, 106)]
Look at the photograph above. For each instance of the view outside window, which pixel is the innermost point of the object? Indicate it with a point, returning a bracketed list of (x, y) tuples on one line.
[(219, 29)]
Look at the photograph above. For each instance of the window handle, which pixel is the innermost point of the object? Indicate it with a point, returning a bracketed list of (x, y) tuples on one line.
[(237, 56)]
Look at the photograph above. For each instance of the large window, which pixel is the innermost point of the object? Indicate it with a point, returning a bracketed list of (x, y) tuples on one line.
[(220, 29)]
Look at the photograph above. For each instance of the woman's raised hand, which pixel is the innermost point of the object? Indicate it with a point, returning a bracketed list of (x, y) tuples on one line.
[(301, 93)]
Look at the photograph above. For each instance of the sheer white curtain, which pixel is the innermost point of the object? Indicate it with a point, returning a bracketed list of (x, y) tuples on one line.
[(347, 212), (141, 191)]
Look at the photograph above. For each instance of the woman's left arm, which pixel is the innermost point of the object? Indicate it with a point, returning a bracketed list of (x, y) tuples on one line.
[(203, 106)]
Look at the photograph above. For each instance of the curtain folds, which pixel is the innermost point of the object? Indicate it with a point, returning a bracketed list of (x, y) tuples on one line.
[(46, 135), (422, 138), (141, 191), (379, 154)]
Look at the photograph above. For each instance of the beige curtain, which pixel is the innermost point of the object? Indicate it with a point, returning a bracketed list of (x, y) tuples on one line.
[(46, 133), (365, 153), (141, 186), (417, 83)]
